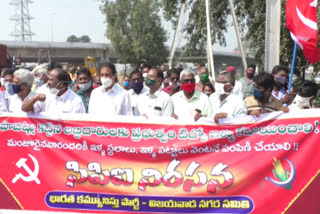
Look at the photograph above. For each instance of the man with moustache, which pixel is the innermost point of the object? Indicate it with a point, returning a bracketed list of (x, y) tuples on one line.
[(247, 81)]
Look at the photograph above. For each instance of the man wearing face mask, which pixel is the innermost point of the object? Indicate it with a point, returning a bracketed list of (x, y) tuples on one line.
[(155, 103), (164, 68), (307, 91), (59, 99), (237, 89), (189, 104), (83, 86), (281, 79), (7, 82), (247, 83), (202, 78), (110, 98), (174, 84), (125, 83), (40, 76), (21, 87), (137, 87), (3, 103), (145, 69), (262, 100), (223, 103), (44, 89)]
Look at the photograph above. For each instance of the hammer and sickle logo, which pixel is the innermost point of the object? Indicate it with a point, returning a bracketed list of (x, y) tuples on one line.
[(33, 175)]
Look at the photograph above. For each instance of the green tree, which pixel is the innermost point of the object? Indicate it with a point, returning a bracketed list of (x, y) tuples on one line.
[(251, 17), (72, 38), (135, 31), (196, 26), (83, 38)]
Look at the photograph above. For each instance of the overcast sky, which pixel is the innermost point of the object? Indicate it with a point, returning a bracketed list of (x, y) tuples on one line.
[(57, 19)]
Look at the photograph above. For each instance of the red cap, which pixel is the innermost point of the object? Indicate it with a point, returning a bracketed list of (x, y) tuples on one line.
[(231, 69)]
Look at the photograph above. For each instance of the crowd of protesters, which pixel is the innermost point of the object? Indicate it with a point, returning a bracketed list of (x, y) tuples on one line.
[(153, 92)]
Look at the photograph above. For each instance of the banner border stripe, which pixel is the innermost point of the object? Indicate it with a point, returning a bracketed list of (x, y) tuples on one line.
[(234, 121), (302, 191), (14, 197)]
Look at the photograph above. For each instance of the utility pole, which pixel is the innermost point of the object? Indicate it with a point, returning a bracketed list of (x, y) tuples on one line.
[(236, 27), (209, 43), (272, 43), (176, 33)]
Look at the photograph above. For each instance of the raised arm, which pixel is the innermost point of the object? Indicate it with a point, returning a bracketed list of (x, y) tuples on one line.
[(28, 106)]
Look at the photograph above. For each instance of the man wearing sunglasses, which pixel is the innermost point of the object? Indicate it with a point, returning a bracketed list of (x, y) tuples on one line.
[(189, 104)]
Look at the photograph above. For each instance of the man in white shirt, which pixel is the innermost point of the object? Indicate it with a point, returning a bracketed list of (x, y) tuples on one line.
[(145, 69), (21, 87), (189, 104), (137, 87), (60, 100), (3, 103), (109, 99), (237, 89), (223, 103), (44, 89), (156, 102), (203, 75), (40, 74), (202, 78), (306, 93), (7, 82)]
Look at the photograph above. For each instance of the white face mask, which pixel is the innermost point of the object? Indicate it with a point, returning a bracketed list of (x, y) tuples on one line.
[(302, 102), (9, 89), (171, 83), (85, 86), (219, 88), (106, 82), (145, 75), (2, 81), (53, 91)]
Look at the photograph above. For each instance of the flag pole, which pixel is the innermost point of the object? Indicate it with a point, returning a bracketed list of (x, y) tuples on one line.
[(292, 66)]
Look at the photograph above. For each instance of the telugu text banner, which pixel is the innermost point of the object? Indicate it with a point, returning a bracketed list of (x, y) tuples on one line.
[(91, 166)]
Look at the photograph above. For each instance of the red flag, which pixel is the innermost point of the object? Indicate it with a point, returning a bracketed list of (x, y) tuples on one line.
[(302, 24)]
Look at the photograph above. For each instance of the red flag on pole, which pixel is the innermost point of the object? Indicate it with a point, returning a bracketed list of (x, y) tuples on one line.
[(302, 24)]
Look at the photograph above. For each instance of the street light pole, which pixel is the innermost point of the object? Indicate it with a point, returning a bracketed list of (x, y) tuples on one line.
[(52, 32)]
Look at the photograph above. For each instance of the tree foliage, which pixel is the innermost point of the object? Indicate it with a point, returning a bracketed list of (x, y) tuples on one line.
[(135, 31), (74, 38), (251, 16), (196, 27)]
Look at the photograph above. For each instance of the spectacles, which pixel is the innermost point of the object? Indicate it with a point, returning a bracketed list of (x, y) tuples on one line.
[(188, 81)]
